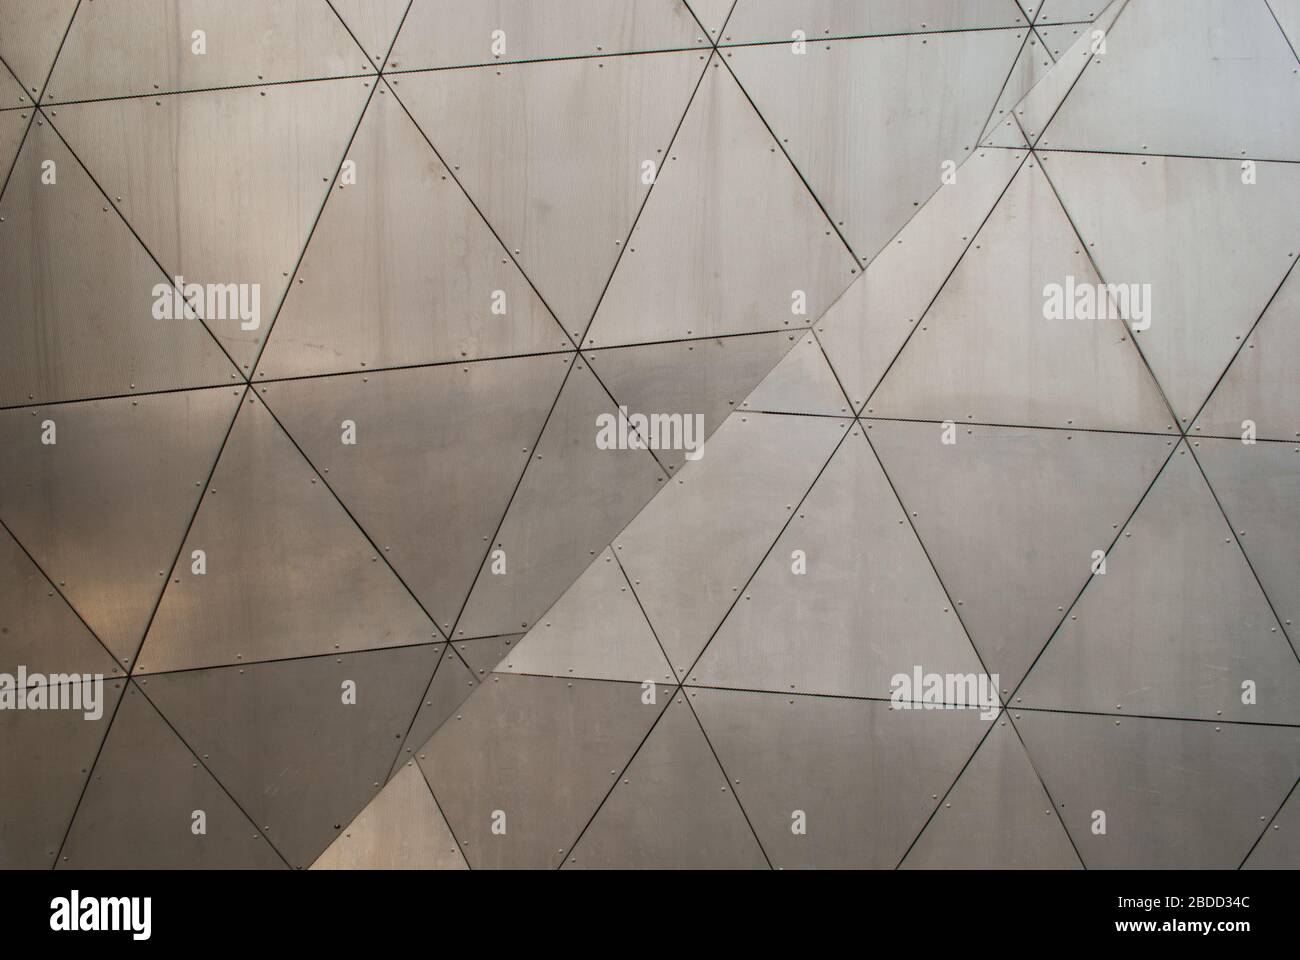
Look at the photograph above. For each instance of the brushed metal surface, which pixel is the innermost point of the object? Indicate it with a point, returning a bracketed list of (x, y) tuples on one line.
[(1033, 64), (33, 31), (1176, 794), (1287, 13), (712, 14), (1011, 517), (730, 221), (373, 23), (485, 654), (1279, 847), (544, 752), (985, 352), (867, 607), (12, 96), (104, 509), (437, 455), (1067, 11), (596, 631), (138, 809), (671, 809), (1212, 249), (402, 269), (552, 154), (79, 292), (997, 816), (690, 551), (280, 738), (803, 382), (451, 685), (865, 776), (288, 574), (755, 20)]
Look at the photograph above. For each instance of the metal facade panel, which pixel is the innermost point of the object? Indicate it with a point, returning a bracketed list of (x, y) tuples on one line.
[(802, 382), (484, 654), (573, 498), (33, 31), (120, 48), (866, 607), (1015, 555), (866, 328), (139, 809), (552, 154), (11, 93), (403, 829), (691, 550), (451, 686), (758, 20), (1210, 249), (536, 755), (286, 572), (227, 185), (402, 269), (712, 14), (454, 33), (103, 509), (1287, 14), (866, 777), (1136, 100), (996, 817), (79, 292), (858, 138), (1067, 11), (671, 809), (986, 352), (1176, 627), (1034, 63), (373, 23), (1279, 847), (1176, 794), (732, 223), (464, 430), (287, 744), (596, 631)]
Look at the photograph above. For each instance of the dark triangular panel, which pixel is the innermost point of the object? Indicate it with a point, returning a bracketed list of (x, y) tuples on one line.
[(672, 808), (536, 755), (1175, 794), (451, 686), (104, 508), (286, 571), (402, 269), (79, 292), (802, 382), (139, 809), (864, 777), (465, 431), (33, 31), (1014, 556), (484, 654), (281, 738), (756, 20), (1279, 847)]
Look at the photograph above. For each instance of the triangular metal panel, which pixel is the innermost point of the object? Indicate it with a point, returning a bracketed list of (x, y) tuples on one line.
[(1261, 389), (731, 222), (485, 654), (1287, 14), (1279, 847), (596, 631), (80, 292), (403, 270), (1057, 39), (712, 14), (802, 382), (553, 153), (46, 755), (465, 430), (768, 20), (286, 572), (866, 328), (986, 352), (12, 95), (865, 777), (1014, 556), (373, 23), (536, 755), (142, 806), (1033, 64), (996, 817), (451, 686), (1205, 250), (573, 498), (1068, 11), (33, 31), (1174, 794), (103, 509), (845, 601), (671, 809), (1176, 627), (691, 550), (1258, 487), (1135, 98), (457, 33), (857, 140), (150, 47), (401, 829), (205, 218), (302, 745)]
